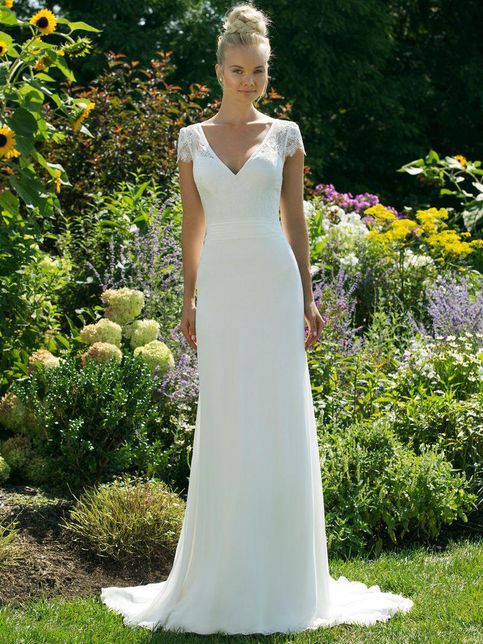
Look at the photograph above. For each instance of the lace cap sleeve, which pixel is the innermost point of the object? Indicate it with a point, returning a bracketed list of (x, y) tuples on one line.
[(294, 140), (183, 147)]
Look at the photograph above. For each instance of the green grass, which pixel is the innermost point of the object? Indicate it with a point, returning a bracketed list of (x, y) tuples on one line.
[(446, 588)]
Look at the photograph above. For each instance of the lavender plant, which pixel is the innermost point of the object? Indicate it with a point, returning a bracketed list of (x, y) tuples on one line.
[(454, 305), (337, 306)]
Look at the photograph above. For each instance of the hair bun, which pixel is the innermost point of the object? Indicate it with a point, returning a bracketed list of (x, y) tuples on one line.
[(245, 19)]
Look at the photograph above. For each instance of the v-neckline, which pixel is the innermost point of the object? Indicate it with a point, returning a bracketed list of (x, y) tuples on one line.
[(235, 174)]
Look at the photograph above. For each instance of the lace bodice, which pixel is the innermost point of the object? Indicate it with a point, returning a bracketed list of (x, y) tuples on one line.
[(286, 141), (252, 195)]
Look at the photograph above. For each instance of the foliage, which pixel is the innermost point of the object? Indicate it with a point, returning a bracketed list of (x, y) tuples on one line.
[(89, 421), (455, 172), (377, 492), (129, 519), (452, 426), (31, 288), (24, 94), (443, 365)]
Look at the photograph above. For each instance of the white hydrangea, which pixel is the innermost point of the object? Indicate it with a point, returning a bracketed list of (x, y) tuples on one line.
[(143, 331), (103, 330), (123, 304)]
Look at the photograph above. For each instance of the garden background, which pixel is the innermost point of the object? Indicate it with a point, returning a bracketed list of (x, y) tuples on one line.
[(98, 387)]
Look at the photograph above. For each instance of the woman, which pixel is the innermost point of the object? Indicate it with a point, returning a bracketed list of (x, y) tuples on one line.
[(252, 554)]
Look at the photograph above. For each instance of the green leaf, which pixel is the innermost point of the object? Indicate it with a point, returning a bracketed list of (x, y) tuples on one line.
[(61, 64), (33, 99), (74, 26), (29, 188), (9, 202), (7, 17), (23, 122)]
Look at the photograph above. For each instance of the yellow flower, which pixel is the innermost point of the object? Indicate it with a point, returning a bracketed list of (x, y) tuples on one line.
[(3, 47), (45, 21), (39, 65), (401, 228), (449, 243), (7, 143), (380, 213), (57, 174), (9, 4), (431, 220), (461, 159), (61, 52), (82, 116)]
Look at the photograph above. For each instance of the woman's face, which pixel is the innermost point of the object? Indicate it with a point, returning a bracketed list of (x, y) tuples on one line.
[(244, 73)]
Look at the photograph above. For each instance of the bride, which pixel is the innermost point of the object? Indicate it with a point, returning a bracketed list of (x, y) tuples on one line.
[(252, 552)]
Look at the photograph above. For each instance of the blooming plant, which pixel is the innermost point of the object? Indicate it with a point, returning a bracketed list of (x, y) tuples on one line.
[(441, 364), (23, 91), (105, 336), (454, 304), (454, 171)]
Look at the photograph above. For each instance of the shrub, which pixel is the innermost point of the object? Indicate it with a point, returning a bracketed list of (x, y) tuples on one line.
[(16, 451), (450, 364), (91, 419), (4, 470), (378, 492), (127, 520), (12, 411), (453, 426)]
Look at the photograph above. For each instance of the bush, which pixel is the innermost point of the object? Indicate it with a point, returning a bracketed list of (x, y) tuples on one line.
[(440, 365), (128, 519), (4, 470), (453, 426), (91, 419), (377, 491)]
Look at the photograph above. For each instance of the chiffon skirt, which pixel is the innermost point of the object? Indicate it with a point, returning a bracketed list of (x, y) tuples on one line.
[(252, 552)]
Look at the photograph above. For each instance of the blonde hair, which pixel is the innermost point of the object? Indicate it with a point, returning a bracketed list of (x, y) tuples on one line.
[(244, 25)]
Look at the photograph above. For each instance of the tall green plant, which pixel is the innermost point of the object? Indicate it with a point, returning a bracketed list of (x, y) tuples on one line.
[(27, 94)]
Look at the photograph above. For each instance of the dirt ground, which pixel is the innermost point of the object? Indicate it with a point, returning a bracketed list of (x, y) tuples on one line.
[(51, 564)]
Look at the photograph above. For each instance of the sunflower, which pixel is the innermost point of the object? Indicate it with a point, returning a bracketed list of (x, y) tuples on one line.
[(82, 116), (3, 47), (45, 21), (7, 143)]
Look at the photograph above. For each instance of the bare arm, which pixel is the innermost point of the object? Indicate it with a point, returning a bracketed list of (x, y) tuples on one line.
[(295, 229), (192, 233)]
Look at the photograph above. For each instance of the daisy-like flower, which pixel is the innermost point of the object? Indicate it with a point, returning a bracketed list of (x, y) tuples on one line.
[(8, 3), (45, 21), (3, 47), (462, 160), (7, 143)]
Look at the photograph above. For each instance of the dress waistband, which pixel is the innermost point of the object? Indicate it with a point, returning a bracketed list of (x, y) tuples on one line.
[(245, 228)]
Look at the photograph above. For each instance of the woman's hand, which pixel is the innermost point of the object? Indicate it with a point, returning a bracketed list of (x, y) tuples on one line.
[(188, 323), (314, 322)]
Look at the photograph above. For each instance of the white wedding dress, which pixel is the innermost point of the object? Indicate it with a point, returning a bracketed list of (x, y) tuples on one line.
[(252, 553)]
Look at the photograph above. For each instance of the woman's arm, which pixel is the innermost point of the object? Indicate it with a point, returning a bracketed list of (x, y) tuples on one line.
[(192, 233), (295, 229)]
